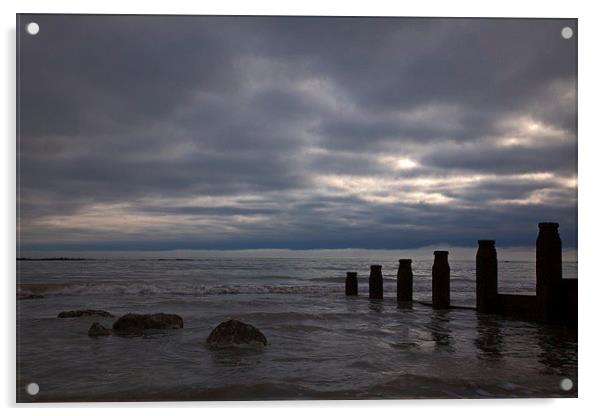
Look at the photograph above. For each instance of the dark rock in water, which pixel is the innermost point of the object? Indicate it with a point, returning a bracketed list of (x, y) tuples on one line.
[(97, 330), (84, 312), (133, 322), (25, 296), (232, 332)]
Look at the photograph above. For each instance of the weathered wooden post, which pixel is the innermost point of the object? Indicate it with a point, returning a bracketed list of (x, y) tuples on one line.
[(351, 284), (486, 276), (376, 281), (548, 269), (440, 280), (405, 281)]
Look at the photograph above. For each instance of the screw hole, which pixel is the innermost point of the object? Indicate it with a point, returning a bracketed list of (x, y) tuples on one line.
[(566, 32), (32, 28), (32, 389), (566, 384)]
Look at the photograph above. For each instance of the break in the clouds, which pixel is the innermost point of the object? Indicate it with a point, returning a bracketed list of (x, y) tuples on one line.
[(163, 132)]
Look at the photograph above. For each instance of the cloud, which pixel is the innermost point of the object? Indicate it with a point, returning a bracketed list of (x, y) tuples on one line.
[(263, 132)]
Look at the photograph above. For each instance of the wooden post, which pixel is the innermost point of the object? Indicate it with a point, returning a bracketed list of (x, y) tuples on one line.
[(376, 282), (486, 276), (351, 284), (548, 266), (440, 280), (405, 281)]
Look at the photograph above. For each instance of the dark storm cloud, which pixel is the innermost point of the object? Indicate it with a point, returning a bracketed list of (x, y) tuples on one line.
[(517, 159), (228, 132), (107, 73)]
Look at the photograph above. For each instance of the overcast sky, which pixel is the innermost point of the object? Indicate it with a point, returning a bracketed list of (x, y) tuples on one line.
[(234, 133)]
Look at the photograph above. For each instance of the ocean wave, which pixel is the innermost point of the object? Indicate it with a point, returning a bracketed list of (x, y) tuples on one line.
[(171, 289)]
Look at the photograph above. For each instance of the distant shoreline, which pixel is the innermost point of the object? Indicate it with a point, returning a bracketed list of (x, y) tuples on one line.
[(51, 259), (421, 253)]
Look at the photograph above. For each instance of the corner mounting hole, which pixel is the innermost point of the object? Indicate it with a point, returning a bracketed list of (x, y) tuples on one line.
[(32, 28), (566, 384), (32, 389), (566, 32)]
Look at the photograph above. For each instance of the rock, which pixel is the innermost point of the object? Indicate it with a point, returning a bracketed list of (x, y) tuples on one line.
[(25, 296), (133, 322), (97, 330), (84, 312), (232, 332)]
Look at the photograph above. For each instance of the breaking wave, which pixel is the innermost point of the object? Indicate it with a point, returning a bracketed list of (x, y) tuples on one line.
[(172, 289)]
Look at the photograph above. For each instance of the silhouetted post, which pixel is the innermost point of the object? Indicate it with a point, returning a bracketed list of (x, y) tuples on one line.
[(351, 284), (486, 276), (405, 281), (376, 282), (548, 266), (440, 280)]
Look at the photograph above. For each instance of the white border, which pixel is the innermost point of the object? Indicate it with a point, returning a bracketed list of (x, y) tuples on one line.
[(508, 8), (590, 68)]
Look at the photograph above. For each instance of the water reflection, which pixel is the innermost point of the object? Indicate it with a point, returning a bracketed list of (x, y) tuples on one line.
[(441, 333), (405, 305), (236, 357), (352, 305), (554, 343), (489, 338), (376, 305)]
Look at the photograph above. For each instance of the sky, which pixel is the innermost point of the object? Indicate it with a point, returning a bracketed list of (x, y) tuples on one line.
[(224, 133)]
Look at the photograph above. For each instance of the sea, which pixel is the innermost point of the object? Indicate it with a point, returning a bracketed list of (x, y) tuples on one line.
[(321, 343)]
